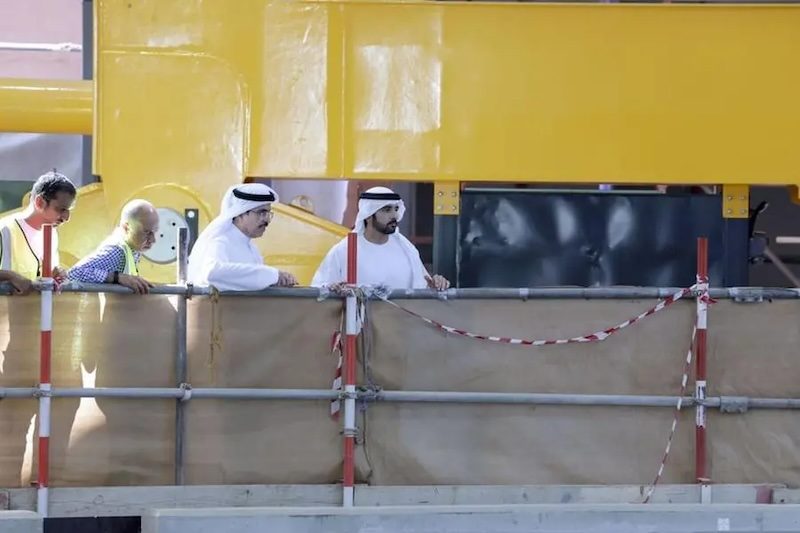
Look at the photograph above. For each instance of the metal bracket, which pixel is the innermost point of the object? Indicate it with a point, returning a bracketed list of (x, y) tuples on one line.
[(747, 295), (733, 404), (43, 391), (446, 198), (192, 217), (45, 284), (735, 201), (367, 394), (186, 389), (344, 395)]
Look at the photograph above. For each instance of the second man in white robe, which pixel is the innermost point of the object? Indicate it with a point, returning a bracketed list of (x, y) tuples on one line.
[(224, 255)]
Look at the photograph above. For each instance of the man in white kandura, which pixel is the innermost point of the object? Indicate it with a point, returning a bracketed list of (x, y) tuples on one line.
[(384, 256), (224, 255)]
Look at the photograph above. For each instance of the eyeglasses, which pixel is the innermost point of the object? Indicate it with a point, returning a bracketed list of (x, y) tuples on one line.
[(263, 213)]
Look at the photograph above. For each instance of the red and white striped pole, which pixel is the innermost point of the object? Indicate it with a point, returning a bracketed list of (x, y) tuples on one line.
[(351, 331), (43, 478), (701, 472)]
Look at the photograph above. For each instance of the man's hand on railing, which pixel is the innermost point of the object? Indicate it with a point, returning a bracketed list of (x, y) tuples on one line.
[(59, 275), (338, 288), (286, 279), (19, 283), (437, 282), (137, 284)]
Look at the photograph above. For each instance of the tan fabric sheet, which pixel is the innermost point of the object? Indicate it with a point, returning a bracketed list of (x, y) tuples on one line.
[(125, 341), (276, 343)]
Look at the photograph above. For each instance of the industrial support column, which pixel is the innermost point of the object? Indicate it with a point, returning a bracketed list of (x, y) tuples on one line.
[(181, 358), (701, 385), (45, 365), (446, 208), (736, 248), (352, 327), (87, 176)]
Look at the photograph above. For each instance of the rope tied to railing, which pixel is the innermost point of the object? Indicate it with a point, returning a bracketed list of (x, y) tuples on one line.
[(337, 351), (362, 295), (215, 343)]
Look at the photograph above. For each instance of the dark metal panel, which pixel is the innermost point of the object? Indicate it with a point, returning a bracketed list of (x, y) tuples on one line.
[(736, 251), (104, 524), (781, 218), (445, 239), (514, 238), (192, 217)]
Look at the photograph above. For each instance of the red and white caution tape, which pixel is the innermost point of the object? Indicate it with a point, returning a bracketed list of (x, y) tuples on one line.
[(684, 381), (336, 350), (705, 298), (592, 337), (597, 337)]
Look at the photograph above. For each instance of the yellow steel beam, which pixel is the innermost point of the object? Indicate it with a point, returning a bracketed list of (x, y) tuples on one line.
[(438, 91), (449, 91), (45, 106)]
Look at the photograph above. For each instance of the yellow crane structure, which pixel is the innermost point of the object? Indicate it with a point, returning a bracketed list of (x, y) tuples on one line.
[(192, 97)]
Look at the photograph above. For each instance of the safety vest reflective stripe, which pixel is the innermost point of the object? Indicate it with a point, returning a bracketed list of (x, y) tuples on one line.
[(131, 268)]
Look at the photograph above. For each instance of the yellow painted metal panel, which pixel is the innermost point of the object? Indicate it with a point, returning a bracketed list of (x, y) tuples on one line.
[(185, 124), (45, 106), (659, 94), (89, 224), (298, 241), (431, 91), (179, 83)]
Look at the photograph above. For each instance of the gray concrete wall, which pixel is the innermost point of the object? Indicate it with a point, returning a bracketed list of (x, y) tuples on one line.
[(20, 522), (630, 518)]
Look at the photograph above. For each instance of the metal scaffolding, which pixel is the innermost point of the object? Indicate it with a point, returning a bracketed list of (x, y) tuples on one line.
[(183, 391)]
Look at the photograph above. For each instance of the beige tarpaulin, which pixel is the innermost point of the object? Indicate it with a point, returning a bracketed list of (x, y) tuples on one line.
[(121, 341)]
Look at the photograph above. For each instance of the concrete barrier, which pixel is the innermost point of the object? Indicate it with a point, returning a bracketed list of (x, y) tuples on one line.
[(20, 522), (631, 518)]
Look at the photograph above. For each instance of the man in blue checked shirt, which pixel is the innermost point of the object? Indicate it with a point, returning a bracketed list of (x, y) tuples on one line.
[(116, 260)]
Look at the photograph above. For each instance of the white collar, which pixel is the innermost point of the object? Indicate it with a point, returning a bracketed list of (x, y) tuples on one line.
[(239, 236)]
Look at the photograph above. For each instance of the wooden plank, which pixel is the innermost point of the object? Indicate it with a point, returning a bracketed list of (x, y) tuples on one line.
[(135, 501)]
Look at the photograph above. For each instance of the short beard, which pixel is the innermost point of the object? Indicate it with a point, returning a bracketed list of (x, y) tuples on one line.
[(382, 228)]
